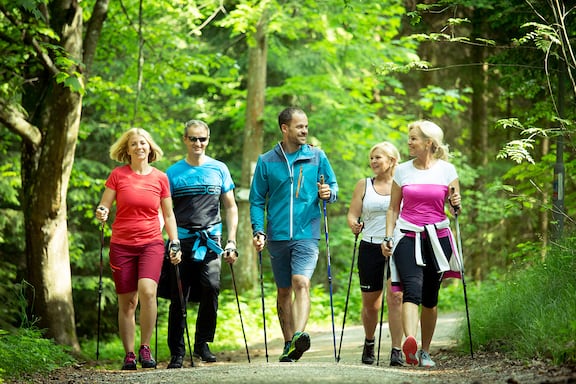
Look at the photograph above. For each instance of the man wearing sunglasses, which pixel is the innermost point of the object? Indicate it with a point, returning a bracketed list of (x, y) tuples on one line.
[(199, 186)]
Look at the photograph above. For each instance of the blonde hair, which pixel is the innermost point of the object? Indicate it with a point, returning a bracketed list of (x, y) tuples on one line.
[(430, 131), (119, 150), (389, 150)]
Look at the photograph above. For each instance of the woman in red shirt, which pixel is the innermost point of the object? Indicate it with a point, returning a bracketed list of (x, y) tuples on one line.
[(141, 192)]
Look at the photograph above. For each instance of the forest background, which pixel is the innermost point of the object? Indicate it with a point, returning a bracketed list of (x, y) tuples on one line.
[(498, 77)]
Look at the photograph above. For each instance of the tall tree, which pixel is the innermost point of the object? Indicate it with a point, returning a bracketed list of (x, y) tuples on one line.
[(43, 107), (253, 141)]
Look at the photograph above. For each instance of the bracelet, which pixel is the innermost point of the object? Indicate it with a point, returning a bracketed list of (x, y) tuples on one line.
[(260, 233), (387, 239), (231, 241)]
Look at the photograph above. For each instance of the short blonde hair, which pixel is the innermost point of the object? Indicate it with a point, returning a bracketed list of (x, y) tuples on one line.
[(119, 150), (429, 130), (389, 150)]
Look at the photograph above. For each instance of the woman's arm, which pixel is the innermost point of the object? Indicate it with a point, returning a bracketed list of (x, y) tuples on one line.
[(169, 218), (355, 209), (103, 209), (394, 209)]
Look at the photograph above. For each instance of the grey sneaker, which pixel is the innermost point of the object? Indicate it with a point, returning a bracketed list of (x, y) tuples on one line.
[(425, 359), (396, 359), (368, 352)]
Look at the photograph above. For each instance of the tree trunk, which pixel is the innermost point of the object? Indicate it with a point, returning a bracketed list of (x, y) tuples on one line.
[(478, 129), (55, 110), (253, 139)]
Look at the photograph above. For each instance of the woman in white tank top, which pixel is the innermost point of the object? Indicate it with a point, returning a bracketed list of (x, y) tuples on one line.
[(367, 215)]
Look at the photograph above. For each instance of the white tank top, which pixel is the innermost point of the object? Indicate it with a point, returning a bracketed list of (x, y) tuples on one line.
[(374, 208)]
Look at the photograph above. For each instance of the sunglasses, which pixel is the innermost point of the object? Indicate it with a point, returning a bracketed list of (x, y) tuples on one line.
[(195, 139)]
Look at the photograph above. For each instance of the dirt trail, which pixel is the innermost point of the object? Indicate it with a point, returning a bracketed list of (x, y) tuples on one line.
[(318, 365)]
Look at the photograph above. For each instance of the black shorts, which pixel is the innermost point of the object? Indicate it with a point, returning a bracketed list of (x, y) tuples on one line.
[(371, 264)]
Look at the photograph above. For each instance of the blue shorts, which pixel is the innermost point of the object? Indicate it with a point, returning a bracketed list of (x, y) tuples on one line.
[(292, 257)]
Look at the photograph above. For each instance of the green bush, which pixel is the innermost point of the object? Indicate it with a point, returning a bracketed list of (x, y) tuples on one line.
[(25, 352), (530, 313)]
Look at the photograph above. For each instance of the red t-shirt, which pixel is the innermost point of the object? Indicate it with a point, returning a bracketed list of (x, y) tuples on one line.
[(137, 205)]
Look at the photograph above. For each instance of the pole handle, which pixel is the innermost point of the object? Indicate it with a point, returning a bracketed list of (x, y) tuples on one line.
[(456, 207)]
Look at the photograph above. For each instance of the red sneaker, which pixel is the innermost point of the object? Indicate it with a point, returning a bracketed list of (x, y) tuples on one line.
[(129, 362), (410, 347), (145, 357)]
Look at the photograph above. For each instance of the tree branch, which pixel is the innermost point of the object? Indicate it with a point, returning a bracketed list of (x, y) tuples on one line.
[(16, 122), (93, 32)]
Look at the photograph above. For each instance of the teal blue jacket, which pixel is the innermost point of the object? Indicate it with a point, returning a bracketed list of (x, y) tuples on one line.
[(287, 195)]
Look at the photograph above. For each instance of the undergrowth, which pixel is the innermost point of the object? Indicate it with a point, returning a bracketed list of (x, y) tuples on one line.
[(25, 352), (530, 312)]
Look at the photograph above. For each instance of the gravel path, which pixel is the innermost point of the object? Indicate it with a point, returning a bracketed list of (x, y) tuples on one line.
[(318, 366)]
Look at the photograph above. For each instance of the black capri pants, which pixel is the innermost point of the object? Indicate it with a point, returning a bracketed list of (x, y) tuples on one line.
[(420, 284)]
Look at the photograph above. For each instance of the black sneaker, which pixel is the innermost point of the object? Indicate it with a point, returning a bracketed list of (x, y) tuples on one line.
[(300, 343), (176, 362), (129, 362), (202, 351), (145, 357), (284, 356), (396, 359), (368, 352)]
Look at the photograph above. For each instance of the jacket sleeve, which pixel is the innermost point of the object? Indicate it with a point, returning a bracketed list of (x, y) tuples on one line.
[(258, 192), (329, 176)]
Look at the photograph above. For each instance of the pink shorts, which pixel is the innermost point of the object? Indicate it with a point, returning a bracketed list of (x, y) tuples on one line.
[(131, 263)]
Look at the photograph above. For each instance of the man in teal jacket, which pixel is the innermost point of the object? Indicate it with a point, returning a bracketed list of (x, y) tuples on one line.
[(289, 182)]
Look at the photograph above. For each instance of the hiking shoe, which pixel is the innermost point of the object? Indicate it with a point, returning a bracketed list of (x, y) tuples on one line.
[(284, 356), (129, 362), (368, 352), (203, 352), (300, 343), (176, 362), (145, 357), (396, 359), (410, 349), (425, 360)]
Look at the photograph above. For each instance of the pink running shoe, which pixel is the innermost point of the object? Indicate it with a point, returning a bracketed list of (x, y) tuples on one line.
[(410, 347)]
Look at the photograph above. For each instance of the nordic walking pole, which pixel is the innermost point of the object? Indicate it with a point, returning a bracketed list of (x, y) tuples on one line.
[(456, 209), (100, 288), (384, 288), (239, 312), (156, 334), (263, 311), (329, 272), (348, 293), (175, 248)]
